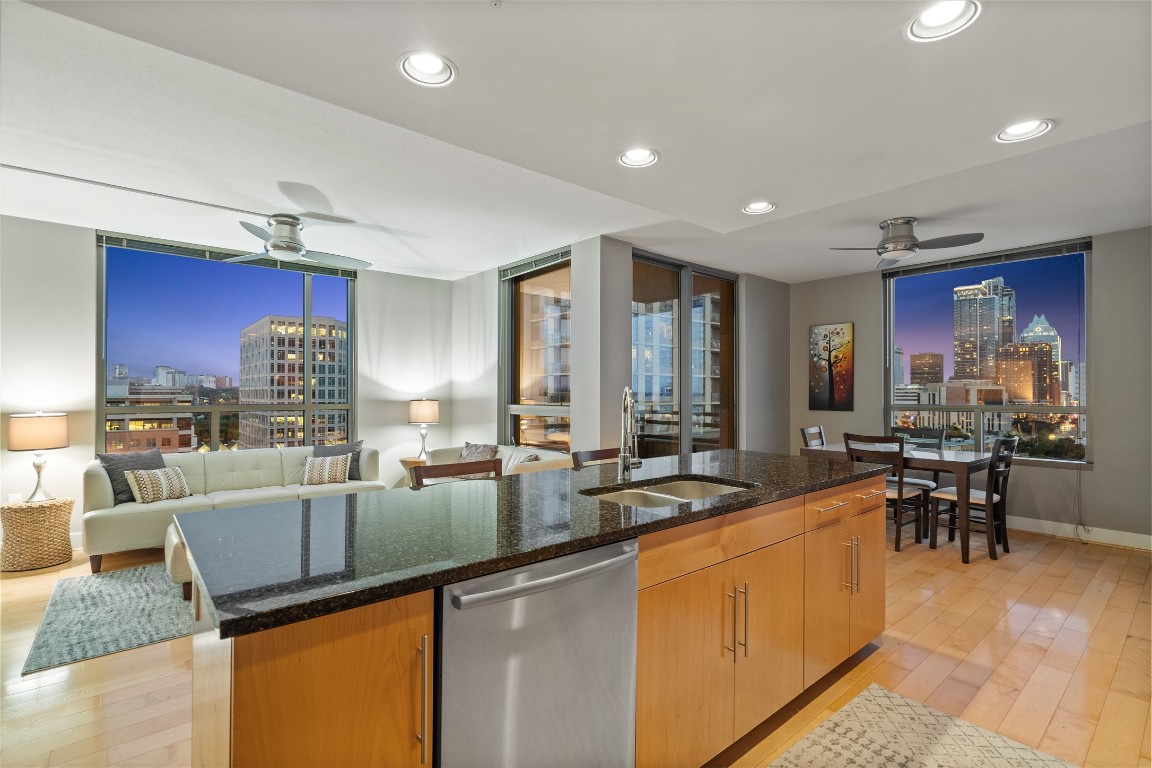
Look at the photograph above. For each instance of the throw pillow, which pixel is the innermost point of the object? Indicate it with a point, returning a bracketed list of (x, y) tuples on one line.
[(327, 469), (115, 464), (338, 450), (530, 457), (152, 485), (476, 452)]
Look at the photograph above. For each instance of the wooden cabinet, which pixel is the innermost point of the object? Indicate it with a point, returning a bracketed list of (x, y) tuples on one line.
[(843, 583), (720, 648), (350, 688)]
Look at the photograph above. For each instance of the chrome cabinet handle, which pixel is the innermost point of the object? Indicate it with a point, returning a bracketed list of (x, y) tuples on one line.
[(856, 557), (872, 495), (834, 506), (463, 601), (732, 647), (745, 593), (422, 737), (851, 584)]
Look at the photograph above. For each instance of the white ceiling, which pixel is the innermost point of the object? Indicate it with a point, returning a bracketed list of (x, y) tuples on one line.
[(821, 107)]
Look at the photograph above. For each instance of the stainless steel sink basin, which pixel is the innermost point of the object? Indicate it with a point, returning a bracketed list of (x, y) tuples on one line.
[(639, 498), (692, 490)]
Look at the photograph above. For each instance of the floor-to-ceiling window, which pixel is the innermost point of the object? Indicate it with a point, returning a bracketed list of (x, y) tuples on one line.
[(199, 354), (660, 357)]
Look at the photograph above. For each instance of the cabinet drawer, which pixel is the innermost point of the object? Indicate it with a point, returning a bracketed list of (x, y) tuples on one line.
[(829, 506), (868, 494)]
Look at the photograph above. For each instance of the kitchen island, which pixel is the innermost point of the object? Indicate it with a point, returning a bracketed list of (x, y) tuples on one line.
[(296, 601)]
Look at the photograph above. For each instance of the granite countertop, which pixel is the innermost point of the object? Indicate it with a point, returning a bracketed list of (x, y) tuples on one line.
[(269, 565)]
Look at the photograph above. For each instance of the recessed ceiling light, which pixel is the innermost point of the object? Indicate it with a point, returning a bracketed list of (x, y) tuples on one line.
[(760, 207), (638, 158), (1029, 129), (941, 20), (425, 68)]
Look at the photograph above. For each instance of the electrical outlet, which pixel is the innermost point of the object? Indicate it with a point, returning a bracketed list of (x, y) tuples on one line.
[(14, 498)]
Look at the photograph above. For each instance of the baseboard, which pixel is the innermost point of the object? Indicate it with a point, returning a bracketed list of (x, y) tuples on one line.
[(1070, 531), (77, 539)]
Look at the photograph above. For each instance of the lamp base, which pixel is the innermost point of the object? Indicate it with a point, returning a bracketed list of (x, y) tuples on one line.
[(423, 455), (38, 493)]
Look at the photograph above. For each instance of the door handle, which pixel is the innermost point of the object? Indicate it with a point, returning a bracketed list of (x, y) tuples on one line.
[(834, 506), (732, 647), (856, 558), (422, 737), (463, 601), (745, 593), (872, 495), (851, 583)]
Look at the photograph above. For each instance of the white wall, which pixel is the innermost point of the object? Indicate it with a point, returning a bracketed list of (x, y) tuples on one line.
[(48, 348), (1114, 495), (475, 356), (762, 363)]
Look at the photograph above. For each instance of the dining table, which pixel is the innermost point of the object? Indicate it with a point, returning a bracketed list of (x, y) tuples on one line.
[(961, 464)]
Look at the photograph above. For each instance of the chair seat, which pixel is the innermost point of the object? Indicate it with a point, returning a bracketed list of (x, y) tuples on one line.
[(893, 493), (916, 482), (977, 498)]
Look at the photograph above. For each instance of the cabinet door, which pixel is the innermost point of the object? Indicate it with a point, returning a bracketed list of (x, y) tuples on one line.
[(684, 670), (343, 689), (770, 651), (867, 615), (827, 575)]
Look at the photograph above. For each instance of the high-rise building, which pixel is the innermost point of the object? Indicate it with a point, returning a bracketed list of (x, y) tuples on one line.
[(983, 321), (927, 368), (120, 371), (167, 376), (171, 432), (898, 367), (1027, 373), (223, 382), (1039, 330), (272, 371)]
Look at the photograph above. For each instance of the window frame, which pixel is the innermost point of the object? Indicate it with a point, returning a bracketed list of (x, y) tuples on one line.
[(214, 412), (1060, 248)]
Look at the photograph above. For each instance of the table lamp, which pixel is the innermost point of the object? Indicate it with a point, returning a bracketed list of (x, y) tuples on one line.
[(423, 412), (38, 432)]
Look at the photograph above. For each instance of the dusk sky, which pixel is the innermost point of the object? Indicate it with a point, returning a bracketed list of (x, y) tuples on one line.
[(187, 313), (1052, 287)]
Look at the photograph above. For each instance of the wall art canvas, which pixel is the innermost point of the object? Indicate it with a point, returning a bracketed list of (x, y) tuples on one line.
[(830, 367)]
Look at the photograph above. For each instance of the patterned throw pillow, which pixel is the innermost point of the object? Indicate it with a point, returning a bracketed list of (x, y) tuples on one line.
[(152, 485), (116, 464), (338, 450), (476, 452), (320, 470)]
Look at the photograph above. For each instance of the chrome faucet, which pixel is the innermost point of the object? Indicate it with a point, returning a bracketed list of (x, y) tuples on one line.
[(627, 460)]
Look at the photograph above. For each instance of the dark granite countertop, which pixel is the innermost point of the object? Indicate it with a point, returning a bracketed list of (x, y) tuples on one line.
[(269, 565)]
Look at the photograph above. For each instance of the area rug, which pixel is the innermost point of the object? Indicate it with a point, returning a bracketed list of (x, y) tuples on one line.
[(882, 728), (89, 616)]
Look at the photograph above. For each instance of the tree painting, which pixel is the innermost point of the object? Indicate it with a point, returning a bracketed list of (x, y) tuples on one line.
[(830, 367)]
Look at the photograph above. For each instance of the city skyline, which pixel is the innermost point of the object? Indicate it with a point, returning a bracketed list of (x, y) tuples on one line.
[(923, 304), (149, 325)]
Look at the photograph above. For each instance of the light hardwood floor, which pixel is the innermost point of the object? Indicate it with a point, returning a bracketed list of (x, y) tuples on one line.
[(1050, 645)]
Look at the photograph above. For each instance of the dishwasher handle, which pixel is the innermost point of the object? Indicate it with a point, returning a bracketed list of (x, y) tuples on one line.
[(478, 599)]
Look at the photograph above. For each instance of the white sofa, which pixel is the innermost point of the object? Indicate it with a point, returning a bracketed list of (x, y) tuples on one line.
[(511, 461), (217, 480)]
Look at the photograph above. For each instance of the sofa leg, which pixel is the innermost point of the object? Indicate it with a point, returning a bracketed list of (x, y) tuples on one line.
[(94, 561), (187, 590)]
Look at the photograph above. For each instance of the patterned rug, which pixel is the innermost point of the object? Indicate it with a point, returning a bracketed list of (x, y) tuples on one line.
[(89, 616), (882, 728)]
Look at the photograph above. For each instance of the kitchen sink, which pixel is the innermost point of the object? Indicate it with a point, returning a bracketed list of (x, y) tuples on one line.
[(666, 494)]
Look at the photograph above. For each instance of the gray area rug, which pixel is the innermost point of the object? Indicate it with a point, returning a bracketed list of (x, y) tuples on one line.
[(882, 728), (89, 616)]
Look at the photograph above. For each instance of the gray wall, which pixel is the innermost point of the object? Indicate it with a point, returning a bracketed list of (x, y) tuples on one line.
[(1115, 493), (762, 364), (475, 356)]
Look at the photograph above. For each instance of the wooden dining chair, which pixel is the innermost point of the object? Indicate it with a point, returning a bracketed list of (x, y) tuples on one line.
[(813, 437), (902, 499), (925, 437), (463, 470), (599, 456), (992, 501)]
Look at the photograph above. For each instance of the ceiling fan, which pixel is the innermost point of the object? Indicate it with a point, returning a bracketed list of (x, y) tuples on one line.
[(282, 242), (899, 242)]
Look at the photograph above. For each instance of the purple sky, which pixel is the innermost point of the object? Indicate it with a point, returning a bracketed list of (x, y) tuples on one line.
[(187, 313), (1053, 287)]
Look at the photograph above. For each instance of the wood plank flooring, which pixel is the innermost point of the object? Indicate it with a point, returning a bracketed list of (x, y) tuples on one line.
[(1050, 645)]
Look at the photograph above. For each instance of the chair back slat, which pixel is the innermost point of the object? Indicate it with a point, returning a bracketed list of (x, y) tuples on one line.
[(430, 471), (1003, 451), (580, 458), (871, 449), (813, 437), (928, 437)]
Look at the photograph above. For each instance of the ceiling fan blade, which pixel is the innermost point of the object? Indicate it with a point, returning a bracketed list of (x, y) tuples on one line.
[(853, 249), (315, 217), (334, 260), (260, 232), (885, 263), (952, 241), (249, 257)]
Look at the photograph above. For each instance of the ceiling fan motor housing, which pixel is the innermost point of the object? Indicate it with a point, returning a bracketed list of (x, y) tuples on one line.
[(285, 243), (898, 238)]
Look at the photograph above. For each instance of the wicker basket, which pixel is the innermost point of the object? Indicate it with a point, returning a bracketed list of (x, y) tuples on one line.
[(36, 534)]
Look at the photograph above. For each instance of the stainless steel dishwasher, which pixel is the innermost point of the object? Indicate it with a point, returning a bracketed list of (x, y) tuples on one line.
[(538, 664)]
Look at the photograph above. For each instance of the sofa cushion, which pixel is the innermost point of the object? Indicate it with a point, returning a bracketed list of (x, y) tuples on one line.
[(192, 465), (337, 489), (115, 465), (339, 450), (135, 526), (152, 485), (321, 470), (239, 470), (244, 497)]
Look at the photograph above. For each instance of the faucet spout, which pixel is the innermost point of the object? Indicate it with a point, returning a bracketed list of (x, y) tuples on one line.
[(627, 461)]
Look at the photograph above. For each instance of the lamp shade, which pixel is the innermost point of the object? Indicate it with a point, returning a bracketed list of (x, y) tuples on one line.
[(423, 411), (37, 431)]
